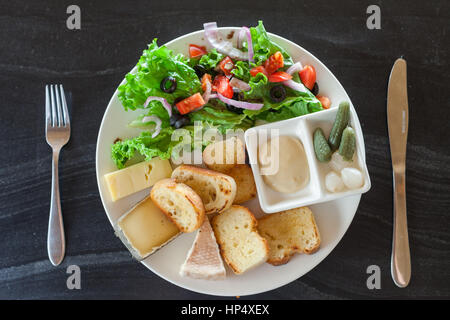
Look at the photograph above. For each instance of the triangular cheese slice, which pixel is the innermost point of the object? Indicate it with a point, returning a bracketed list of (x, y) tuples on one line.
[(203, 260)]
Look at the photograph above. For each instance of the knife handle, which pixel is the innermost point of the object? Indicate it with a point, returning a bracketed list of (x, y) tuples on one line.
[(400, 260)]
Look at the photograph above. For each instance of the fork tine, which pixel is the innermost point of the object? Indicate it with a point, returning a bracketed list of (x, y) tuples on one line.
[(58, 106), (52, 100), (48, 113), (64, 104)]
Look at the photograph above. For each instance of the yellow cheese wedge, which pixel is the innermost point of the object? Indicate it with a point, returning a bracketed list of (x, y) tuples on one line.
[(137, 177), (145, 229)]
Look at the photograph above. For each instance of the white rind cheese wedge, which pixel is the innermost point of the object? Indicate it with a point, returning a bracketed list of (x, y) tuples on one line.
[(135, 178), (145, 229), (203, 260)]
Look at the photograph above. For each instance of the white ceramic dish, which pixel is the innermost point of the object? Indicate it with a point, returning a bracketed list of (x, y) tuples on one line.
[(333, 218), (302, 128)]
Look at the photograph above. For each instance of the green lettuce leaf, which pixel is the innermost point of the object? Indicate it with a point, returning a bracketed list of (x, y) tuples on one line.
[(242, 70), (155, 64), (211, 59), (295, 104), (221, 118), (263, 47), (160, 146), (155, 108)]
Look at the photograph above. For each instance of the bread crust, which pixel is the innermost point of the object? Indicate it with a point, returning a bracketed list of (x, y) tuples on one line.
[(237, 154), (225, 196), (245, 183), (190, 195)]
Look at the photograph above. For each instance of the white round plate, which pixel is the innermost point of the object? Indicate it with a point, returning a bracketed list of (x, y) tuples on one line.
[(333, 218)]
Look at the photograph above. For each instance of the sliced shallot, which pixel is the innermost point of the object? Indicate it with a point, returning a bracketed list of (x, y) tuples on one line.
[(295, 85), (164, 102), (156, 120), (239, 84), (225, 47), (296, 67), (240, 104)]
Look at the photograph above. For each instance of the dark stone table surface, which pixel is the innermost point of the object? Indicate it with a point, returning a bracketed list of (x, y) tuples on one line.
[(37, 48)]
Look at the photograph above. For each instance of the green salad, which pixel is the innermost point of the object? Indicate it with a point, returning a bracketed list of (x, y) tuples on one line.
[(221, 86)]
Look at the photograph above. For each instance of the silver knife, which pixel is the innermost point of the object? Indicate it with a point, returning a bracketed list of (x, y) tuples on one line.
[(397, 116)]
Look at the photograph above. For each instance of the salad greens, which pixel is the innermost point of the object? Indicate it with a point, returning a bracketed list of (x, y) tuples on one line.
[(157, 63), (263, 47)]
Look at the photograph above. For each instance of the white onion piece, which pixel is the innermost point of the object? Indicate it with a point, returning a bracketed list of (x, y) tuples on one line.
[(156, 120), (333, 182), (239, 84), (352, 178), (249, 43), (225, 47), (294, 85), (164, 102), (337, 163), (207, 93), (240, 104), (296, 67)]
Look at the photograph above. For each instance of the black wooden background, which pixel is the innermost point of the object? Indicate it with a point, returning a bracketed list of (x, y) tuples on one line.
[(37, 48)]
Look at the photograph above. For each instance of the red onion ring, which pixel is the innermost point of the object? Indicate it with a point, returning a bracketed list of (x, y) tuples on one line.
[(164, 102), (241, 35), (156, 120), (225, 47), (249, 43), (296, 67), (239, 84), (294, 85), (240, 104)]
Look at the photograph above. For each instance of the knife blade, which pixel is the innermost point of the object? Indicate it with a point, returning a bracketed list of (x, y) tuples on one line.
[(397, 118)]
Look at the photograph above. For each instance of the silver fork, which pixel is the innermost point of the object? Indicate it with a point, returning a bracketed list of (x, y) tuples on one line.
[(57, 133)]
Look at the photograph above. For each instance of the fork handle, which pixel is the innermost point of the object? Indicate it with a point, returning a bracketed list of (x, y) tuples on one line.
[(56, 245)]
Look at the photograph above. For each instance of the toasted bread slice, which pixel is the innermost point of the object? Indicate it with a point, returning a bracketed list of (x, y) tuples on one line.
[(240, 244), (216, 189), (223, 155), (289, 232), (180, 203), (245, 183)]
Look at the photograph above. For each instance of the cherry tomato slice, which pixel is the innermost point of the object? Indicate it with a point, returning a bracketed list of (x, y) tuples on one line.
[(226, 65), (275, 62), (325, 101), (308, 76), (221, 85), (196, 51), (279, 76), (254, 71)]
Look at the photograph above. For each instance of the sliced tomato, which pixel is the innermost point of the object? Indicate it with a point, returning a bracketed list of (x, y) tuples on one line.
[(226, 65), (275, 62), (279, 76), (190, 103), (308, 76), (325, 101), (254, 71), (206, 78), (221, 85), (196, 51)]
